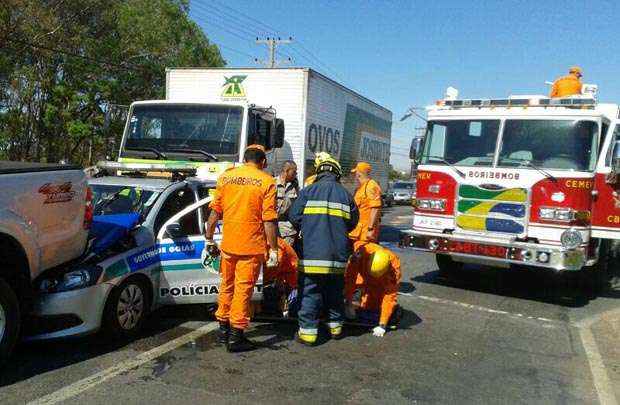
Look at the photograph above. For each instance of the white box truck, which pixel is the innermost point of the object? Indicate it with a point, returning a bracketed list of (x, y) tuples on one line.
[(209, 116)]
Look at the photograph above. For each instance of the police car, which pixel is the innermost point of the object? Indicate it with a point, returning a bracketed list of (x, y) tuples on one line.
[(146, 253)]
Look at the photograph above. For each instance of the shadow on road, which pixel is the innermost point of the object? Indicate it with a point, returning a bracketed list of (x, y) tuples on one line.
[(35, 358), (542, 286)]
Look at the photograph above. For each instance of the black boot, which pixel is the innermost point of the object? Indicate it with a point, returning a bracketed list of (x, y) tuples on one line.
[(237, 342), (223, 333)]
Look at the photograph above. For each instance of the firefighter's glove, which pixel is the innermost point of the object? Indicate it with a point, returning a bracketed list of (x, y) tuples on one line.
[(349, 311), (378, 331), (272, 260)]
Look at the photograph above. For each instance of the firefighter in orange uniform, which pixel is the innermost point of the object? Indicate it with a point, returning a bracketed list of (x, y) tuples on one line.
[(368, 200), (286, 271), (568, 85), (245, 200), (375, 271)]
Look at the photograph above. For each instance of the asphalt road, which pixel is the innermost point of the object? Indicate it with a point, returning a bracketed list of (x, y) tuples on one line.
[(483, 336)]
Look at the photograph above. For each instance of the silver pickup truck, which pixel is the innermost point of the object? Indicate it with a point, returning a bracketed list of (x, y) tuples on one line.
[(44, 219)]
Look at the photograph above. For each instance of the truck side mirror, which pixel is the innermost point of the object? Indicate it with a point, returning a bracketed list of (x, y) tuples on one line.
[(414, 151), (278, 134)]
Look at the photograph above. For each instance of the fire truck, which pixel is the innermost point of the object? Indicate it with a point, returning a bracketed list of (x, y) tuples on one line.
[(527, 181)]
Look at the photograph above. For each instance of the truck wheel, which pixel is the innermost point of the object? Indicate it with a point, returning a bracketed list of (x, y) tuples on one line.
[(447, 266), (9, 321), (596, 279), (126, 309)]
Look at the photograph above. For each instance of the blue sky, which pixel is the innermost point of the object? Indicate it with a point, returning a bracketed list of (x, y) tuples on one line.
[(405, 53)]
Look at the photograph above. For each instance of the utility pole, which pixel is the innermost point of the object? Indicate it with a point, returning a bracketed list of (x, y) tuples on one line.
[(272, 43)]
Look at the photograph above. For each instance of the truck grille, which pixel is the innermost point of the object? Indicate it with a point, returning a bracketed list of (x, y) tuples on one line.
[(492, 209)]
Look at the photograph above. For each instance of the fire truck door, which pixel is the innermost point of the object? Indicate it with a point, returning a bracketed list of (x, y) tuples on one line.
[(606, 205)]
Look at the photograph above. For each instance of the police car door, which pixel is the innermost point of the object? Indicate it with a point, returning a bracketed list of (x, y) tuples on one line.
[(606, 207), (184, 279)]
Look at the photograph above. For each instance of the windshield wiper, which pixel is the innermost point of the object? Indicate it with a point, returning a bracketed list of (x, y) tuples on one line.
[(442, 160), (160, 155), (528, 163), (211, 156)]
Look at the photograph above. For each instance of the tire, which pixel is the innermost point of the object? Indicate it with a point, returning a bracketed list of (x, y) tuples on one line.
[(596, 279), (447, 266), (126, 309), (9, 321)]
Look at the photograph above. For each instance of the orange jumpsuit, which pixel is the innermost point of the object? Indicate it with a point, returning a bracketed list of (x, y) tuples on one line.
[(367, 197), (378, 294), (286, 272), (566, 86), (245, 197)]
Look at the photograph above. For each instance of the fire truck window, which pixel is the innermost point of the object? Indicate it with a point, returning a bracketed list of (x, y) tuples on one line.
[(461, 142), (612, 145), (550, 144)]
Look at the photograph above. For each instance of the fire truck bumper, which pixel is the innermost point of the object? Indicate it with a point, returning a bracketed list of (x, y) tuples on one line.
[(500, 252)]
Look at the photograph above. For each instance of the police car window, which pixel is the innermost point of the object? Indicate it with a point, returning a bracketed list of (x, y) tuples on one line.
[(175, 203)]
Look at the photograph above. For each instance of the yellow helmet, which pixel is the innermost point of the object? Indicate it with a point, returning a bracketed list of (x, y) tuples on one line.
[(380, 263), (325, 162)]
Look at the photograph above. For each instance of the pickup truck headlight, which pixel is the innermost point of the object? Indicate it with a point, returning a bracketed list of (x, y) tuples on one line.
[(73, 280)]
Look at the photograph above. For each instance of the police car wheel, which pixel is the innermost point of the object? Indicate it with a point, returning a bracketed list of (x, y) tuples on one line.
[(126, 309), (9, 321)]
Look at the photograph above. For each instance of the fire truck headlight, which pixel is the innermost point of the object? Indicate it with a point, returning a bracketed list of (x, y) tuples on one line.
[(424, 204), (564, 214), (547, 213), (571, 239), (439, 205)]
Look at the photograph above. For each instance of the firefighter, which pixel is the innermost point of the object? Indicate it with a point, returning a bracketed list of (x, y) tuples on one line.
[(375, 272), (368, 199), (325, 213), (568, 85), (286, 193), (279, 282), (245, 200)]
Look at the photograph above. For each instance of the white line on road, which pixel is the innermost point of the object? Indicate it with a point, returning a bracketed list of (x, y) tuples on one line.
[(87, 383), (603, 387), (479, 308)]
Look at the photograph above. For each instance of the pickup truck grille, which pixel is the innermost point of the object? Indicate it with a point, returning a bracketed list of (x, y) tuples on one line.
[(496, 209)]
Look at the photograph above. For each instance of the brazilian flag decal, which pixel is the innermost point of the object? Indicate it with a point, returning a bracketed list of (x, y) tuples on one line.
[(501, 210), (233, 86)]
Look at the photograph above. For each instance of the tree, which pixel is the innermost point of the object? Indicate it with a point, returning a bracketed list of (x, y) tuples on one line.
[(65, 64)]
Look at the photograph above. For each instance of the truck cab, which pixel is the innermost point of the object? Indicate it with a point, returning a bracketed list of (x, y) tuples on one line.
[(525, 180), (213, 135)]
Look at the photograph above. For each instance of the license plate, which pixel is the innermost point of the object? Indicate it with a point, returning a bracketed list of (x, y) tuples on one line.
[(478, 249)]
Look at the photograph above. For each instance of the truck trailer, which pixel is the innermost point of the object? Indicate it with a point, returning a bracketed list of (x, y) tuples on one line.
[(209, 116)]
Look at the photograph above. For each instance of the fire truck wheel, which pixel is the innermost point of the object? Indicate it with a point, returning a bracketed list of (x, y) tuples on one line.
[(447, 266)]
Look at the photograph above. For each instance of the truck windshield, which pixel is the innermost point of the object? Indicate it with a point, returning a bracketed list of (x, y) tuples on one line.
[(550, 144), (169, 127), (461, 142), (113, 199)]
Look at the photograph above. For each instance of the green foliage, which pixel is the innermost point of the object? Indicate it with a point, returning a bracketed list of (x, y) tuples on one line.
[(64, 64)]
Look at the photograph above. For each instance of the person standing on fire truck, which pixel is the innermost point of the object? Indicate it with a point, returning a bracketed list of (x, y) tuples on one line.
[(568, 85), (245, 200)]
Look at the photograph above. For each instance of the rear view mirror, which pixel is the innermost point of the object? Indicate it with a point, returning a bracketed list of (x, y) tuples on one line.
[(278, 134), (174, 230), (414, 151)]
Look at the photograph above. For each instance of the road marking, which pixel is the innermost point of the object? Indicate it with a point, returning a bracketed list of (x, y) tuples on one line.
[(602, 385), (87, 383), (480, 308)]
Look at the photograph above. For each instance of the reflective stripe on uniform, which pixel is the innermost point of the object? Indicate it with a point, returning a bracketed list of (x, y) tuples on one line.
[(308, 331), (320, 270), (323, 263), (329, 208), (328, 204)]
